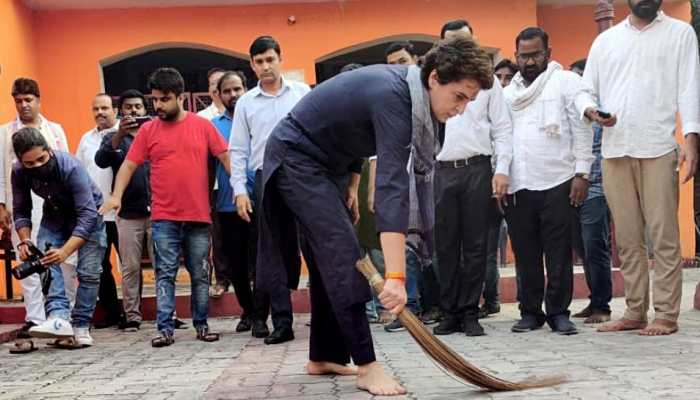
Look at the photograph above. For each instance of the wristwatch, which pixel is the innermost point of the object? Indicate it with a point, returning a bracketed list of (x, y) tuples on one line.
[(582, 176)]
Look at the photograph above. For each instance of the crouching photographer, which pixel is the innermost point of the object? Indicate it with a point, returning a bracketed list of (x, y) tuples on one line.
[(70, 223)]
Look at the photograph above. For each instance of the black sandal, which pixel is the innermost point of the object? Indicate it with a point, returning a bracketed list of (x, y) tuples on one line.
[(162, 340), (22, 347), (204, 335)]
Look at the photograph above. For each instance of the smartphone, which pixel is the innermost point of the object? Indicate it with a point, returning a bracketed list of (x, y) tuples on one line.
[(141, 120), (604, 114)]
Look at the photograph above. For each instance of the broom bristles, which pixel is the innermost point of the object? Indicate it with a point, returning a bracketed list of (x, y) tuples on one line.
[(447, 358)]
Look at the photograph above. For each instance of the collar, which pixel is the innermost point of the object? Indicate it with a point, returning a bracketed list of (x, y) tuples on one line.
[(660, 17), (103, 132), (19, 124), (223, 116), (284, 88)]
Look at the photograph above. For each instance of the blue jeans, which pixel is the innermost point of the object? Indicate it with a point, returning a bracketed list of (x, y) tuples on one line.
[(88, 270), (595, 233), (412, 269), (193, 238)]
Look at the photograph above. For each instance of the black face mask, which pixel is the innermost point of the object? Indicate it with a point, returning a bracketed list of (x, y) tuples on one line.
[(46, 172), (646, 9)]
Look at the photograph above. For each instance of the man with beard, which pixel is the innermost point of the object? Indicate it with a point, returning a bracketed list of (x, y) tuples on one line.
[(552, 156), (177, 144), (27, 99), (230, 233), (257, 113), (70, 223), (134, 218), (645, 71), (104, 111)]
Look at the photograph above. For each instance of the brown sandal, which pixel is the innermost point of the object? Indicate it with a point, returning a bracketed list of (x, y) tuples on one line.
[(22, 347), (204, 335), (163, 340)]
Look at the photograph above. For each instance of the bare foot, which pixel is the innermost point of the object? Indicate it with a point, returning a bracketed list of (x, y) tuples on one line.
[(372, 378), (597, 317), (622, 324), (329, 368), (660, 327)]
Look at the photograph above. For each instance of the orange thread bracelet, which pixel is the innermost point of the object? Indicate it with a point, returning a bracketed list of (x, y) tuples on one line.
[(395, 275)]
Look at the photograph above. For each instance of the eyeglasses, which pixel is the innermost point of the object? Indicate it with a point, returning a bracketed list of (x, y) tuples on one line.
[(536, 57)]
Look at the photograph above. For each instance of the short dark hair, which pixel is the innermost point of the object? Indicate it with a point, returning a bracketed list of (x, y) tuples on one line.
[(532, 33), (350, 67), (228, 74), (455, 25), (167, 80), (398, 46), (263, 44), (506, 63), (580, 64), (25, 86), (111, 99), (457, 59), (26, 139), (131, 94), (213, 71)]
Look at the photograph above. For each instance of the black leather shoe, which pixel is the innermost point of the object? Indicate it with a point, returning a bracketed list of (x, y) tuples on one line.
[(472, 327), (486, 310), (244, 325), (280, 336), (562, 325), (526, 324), (260, 329), (447, 326)]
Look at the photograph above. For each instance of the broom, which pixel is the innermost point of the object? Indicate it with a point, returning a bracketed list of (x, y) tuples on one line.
[(445, 357)]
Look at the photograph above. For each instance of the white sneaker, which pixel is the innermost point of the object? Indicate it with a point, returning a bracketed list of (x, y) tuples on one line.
[(82, 337), (52, 328)]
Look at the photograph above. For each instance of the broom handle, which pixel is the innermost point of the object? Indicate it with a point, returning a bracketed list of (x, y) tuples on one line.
[(367, 269)]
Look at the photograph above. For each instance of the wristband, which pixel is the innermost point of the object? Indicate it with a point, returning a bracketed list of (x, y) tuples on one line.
[(395, 275)]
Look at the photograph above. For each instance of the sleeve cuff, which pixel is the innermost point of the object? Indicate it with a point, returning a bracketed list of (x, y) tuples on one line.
[(373, 158), (239, 188), (502, 168), (692, 127), (81, 233), (583, 167), (23, 223)]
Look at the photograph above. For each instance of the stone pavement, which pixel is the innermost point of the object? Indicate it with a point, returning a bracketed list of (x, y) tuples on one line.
[(123, 366)]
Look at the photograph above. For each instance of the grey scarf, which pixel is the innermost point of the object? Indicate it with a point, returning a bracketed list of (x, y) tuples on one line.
[(421, 168)]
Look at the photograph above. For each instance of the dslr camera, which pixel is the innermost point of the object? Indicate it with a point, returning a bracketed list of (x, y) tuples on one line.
[(33, 264)]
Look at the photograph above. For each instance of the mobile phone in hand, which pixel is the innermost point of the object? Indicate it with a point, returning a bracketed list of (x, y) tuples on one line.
[(604, 114), (141, 120)]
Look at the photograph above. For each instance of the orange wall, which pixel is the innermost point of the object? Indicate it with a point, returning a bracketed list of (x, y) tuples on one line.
[(575, 25), (70, 44), (17, 56), (76, 41)]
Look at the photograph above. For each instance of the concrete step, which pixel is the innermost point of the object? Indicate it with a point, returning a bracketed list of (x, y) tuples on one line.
[(227, 305)]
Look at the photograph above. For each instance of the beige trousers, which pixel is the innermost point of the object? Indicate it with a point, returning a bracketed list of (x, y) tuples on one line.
[(133, 234), (643, 193)]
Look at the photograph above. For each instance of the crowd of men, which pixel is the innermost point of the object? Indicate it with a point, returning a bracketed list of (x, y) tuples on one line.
[(554, 154)]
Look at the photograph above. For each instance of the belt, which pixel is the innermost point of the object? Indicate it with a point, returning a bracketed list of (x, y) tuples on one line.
[(465, 163)]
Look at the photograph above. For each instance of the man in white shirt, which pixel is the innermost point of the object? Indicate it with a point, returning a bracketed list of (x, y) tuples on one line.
[(552, 156), (257, 113), (645, 72), (104, 111), (464, 186), (216, 108), (27, 99)]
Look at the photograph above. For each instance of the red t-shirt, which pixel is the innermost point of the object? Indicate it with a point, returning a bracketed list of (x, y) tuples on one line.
[(178, 153)]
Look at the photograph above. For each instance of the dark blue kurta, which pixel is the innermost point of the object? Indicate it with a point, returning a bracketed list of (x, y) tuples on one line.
[(353, 115)]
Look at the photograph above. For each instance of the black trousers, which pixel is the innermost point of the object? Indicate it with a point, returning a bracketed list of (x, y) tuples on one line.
[(278, 301), (231, 244), (539, 224), (462, 200), (339, 327), (108, 287)]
